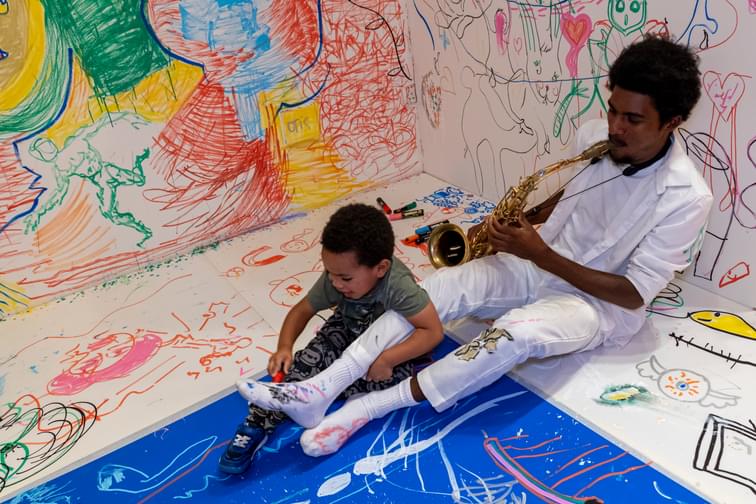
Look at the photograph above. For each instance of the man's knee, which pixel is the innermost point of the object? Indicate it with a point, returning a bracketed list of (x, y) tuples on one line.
[(491, 341)]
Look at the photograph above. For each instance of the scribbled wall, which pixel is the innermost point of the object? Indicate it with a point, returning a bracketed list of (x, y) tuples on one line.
[(138, 129), (503, 86)]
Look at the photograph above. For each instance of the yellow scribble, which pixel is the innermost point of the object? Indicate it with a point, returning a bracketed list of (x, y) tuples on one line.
[(12, 298), (156, 98), (17, 89), (724, 322), (313, 174)]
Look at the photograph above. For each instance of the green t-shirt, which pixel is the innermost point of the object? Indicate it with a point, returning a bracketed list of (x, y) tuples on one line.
[(397, 291)]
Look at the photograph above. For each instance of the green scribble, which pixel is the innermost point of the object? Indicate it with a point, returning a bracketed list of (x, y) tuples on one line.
[(79, 158), (618, 395), (109, 39), (627, 16)]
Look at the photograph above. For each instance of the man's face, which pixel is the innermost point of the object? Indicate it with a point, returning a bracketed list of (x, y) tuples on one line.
[(635, 130)]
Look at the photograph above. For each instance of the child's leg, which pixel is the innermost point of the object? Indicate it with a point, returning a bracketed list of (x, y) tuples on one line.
[(322, 350), (554, 325), (363, 386), (486, 287), (251, 434), (305, 402)]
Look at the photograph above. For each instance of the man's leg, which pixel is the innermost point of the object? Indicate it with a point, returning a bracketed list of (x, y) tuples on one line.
[(552, 326), (486, 288)]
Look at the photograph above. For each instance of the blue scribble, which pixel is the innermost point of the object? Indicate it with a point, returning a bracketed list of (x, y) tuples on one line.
[(206, 478), (232, 30), (45, 494), (448, 197), (479, 209), (427, 26), (293, 432), (121, 478)]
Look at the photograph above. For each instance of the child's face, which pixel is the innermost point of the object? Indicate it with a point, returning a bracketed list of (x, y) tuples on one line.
[(349, 277)]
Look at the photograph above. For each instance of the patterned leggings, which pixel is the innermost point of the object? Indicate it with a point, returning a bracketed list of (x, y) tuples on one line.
[(327, 346)]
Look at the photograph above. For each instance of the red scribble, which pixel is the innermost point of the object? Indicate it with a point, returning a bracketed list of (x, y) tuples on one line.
[(251, 258), (738, 272)]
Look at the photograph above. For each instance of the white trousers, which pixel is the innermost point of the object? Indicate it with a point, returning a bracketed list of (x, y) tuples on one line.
[(530, 320)]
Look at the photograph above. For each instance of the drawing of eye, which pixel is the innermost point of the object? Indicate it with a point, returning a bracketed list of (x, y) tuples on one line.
[(620, 6), (635, 6)]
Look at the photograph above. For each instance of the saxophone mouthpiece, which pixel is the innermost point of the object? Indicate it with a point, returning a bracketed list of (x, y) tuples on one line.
[(597, 150)]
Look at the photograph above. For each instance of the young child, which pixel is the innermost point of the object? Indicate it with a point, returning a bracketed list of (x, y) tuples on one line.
[(361, 281)]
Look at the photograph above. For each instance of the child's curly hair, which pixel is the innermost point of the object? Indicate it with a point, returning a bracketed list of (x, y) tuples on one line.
[(361, 228)]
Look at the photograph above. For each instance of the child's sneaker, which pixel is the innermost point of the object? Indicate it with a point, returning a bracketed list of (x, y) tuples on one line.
[(239, 452)]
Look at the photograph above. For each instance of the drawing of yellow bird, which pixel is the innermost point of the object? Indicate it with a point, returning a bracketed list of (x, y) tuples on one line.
[(724, 322)]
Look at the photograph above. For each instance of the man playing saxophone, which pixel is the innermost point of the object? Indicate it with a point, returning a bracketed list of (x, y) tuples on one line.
[(610, 241)]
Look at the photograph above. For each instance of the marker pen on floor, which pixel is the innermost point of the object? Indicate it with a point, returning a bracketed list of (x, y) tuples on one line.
[(408, 206), (429, 227), (406, 215), (413, 213), (383, 205)]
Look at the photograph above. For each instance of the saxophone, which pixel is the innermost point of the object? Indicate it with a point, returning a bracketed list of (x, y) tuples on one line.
[(448, 244)]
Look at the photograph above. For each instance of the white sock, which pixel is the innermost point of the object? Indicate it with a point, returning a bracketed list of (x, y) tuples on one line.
[(304, 402), (338, 427)]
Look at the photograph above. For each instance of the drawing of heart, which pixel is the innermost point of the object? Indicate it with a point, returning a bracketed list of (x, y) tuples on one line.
[(518, 44), (576, 29), (725, 94), (447, 81)]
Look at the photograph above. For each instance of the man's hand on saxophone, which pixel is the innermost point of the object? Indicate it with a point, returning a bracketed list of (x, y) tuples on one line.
[(519, 238)]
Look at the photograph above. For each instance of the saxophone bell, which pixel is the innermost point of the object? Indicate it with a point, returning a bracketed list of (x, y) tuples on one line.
[(448, 246)]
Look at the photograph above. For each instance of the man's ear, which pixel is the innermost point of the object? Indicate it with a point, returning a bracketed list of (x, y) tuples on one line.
[(673, 123), (382, 267)]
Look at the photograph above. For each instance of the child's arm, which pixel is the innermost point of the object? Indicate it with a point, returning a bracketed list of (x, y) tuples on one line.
[(292, 327), (429, 332)]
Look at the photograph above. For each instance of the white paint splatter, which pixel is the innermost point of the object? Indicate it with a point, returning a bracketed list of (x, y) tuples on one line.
[(374, 464), (335, 485)]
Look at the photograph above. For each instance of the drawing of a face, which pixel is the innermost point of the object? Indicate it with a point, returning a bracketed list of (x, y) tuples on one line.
[(627, 15), (542, 67), (288, 291), (111, 356)]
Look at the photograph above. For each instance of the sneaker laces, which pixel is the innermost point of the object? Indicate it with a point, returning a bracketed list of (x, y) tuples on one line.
[(241, 440)]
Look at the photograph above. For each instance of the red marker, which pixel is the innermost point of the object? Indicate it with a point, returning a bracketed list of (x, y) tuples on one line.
[(383, 205), (278, 377)]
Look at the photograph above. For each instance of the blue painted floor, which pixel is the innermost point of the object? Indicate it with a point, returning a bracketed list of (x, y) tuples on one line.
[(504, 444)]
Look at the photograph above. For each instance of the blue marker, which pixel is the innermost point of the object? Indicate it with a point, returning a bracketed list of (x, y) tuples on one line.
[(427, 229)]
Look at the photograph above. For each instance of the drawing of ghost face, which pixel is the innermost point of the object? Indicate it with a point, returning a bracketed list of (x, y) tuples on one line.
[(627, 15), (109, 357)]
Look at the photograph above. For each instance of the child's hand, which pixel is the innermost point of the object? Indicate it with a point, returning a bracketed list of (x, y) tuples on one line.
[(380, 370), (281, 360)]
